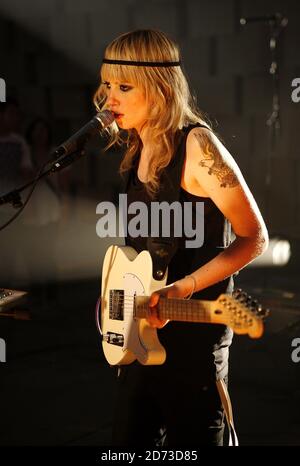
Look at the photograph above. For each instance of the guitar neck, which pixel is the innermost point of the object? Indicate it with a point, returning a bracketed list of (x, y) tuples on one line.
[(182, 310)]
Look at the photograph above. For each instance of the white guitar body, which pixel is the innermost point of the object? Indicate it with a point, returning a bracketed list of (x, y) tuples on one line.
[(127, 284), (137, 339)]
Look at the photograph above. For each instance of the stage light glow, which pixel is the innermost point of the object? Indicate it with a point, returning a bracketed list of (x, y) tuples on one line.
[(278, 254)]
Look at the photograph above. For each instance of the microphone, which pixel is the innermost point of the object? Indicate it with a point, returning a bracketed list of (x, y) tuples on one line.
[(77, 141), (276, 18)]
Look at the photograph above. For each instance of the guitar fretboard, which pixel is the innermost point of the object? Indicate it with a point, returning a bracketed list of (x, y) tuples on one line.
[(181, 310)]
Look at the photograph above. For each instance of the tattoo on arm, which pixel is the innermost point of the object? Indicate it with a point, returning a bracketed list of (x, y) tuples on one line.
[(212, 160)]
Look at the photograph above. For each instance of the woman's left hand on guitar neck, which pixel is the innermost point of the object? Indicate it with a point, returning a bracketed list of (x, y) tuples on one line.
[(179, 289)]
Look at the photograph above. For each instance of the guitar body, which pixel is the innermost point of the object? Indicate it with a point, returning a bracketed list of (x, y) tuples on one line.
[(126, 274), (127, 284)]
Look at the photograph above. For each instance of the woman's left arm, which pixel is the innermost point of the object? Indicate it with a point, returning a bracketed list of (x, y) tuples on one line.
[(215, 170), (210, 166)]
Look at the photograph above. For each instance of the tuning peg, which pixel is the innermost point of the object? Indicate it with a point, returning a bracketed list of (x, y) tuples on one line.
[(263, 313), (237, 293), (240, 295)]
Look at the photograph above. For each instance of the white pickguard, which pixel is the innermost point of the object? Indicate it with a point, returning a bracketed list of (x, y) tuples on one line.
[(132, 342)]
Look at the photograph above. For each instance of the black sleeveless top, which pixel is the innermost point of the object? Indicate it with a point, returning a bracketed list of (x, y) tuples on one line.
[(192, 346)]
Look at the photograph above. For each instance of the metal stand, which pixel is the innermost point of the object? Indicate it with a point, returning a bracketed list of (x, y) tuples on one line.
[(273, 121)]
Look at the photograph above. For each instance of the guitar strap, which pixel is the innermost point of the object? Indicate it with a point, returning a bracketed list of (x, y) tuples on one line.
[(225, 398), (162, 249)]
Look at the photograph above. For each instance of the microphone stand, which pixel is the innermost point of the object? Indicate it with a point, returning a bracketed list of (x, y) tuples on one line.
[(276, 23), (273, 120)]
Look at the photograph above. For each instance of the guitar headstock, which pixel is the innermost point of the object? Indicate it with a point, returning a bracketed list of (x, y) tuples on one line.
[(243, 313)]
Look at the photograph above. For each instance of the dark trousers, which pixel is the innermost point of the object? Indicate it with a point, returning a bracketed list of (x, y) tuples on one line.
[(156, 406)]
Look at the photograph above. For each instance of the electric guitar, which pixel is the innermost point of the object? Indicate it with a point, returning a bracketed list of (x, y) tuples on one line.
[(127, 283)]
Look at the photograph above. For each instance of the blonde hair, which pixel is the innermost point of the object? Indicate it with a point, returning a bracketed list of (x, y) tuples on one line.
[(172, 105)]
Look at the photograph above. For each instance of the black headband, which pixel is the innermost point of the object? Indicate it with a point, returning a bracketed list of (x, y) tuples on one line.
[(142, 63)]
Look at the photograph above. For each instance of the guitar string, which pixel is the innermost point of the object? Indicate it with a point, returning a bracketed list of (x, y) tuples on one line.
[(181, 307), (132, 297), (187, 313), (129, 299)]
